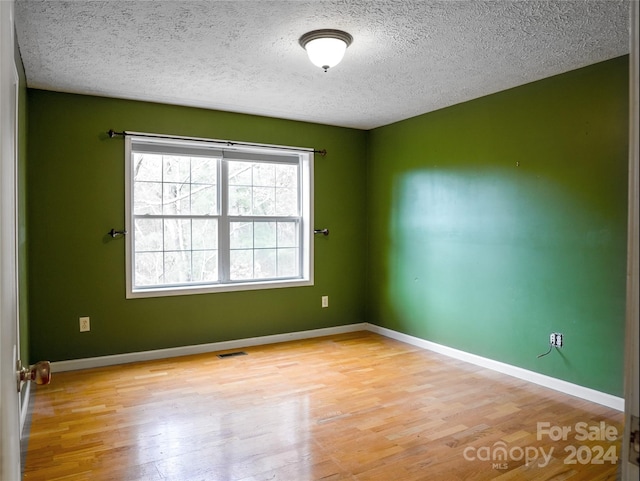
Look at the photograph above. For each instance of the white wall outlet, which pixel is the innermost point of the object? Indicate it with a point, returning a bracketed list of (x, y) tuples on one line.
[(556, 339), (325, 301), (85, 324)]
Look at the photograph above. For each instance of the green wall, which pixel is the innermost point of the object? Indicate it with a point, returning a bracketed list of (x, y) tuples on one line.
[(76, 195), (498, 221)]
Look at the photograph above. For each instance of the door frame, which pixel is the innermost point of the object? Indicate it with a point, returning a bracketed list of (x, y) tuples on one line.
[(9, 400), (631, 372)]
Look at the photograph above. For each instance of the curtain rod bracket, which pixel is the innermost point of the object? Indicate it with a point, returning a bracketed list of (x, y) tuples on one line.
[(112, 133), (116, 233), (321, 231)]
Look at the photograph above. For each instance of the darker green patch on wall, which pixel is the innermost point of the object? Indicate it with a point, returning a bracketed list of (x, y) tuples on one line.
[(76, 195), (498, 221)]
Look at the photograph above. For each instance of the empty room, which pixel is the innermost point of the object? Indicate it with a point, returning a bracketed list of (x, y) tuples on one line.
[(319, 240)]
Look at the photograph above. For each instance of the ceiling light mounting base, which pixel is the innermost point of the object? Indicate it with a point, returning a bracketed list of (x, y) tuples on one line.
[(325, 33)]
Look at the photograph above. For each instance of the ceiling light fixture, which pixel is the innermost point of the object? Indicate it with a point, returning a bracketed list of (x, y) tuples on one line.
[(325, 47)]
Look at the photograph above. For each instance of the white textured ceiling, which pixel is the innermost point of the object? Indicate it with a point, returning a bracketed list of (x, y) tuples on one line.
[(408, 57)]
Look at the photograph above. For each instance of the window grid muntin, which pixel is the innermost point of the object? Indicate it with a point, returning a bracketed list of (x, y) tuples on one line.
[(162, 181), (163, 250), (253, 220), (164, 164), (252, 186)]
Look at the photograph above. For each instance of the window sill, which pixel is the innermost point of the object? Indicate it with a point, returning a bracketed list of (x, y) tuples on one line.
[(212, 289)]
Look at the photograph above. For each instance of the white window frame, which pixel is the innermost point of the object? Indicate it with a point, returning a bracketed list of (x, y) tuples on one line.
[(231, 152)]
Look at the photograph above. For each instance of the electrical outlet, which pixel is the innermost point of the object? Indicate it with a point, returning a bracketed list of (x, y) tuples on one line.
[(85, 324), (556, 339), (325, 301)]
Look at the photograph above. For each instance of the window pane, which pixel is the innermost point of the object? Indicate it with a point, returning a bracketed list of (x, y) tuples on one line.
[(240, 173), (287, 234), (204, 234), (177, 267), (148, 269), (147, 167), (204, 170), (205, 266), (264, 234), (175, 199), (264, 201), (241, 235), (288, 262), (177, 235), (148, 235), (264, 175), (147, 197), (241, 264), (286, 202), (204, 199), (265, 264), (176, 169), (287, 176), (239, 200)]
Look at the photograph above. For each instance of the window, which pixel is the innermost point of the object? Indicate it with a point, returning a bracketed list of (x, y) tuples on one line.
[(201, 218)]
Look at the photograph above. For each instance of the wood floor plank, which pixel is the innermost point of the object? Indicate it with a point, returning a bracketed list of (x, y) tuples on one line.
[(356, 407)]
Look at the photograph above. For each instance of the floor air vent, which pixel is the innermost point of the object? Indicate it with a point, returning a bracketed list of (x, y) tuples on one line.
[(232, 354)]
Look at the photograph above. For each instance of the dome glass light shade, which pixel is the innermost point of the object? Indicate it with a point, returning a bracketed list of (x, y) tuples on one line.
[(325, 48)]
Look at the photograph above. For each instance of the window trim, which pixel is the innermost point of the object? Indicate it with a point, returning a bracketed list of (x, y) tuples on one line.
[(242, 152)]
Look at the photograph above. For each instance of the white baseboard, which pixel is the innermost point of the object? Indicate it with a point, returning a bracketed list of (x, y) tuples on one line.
[(565, 387), (92, 362)]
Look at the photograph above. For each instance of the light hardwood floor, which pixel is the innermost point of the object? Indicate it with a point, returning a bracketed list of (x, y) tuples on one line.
[(349, 407)]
